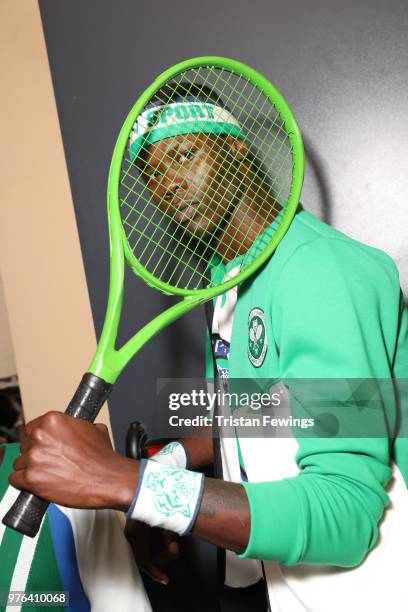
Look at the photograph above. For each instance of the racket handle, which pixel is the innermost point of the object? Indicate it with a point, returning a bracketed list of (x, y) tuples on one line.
[(27, 512), (89, 398)]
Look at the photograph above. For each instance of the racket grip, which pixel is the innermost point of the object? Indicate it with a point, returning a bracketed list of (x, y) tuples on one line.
[(88, 398), (27, 512)]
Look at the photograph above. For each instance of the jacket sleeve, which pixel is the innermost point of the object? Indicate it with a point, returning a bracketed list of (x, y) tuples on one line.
[(336, 316)]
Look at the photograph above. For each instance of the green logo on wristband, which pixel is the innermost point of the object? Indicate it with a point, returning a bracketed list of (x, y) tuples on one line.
[(173, 489), (168, 449)]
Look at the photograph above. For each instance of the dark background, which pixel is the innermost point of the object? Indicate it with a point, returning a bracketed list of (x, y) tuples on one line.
[(342, 66)]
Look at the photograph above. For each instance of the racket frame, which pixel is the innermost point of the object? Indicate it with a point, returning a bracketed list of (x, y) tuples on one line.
[(108, 362)]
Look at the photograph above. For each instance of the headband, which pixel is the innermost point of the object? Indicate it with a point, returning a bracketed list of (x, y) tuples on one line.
[(167, 120)]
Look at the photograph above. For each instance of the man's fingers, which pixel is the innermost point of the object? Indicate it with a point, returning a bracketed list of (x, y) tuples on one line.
[(171, 547), (105, 431), (33, 423), (167, 556), (102, 428), (25, 446), (152, 553), (49, 417), (17, 480), (169, 536), (155, 573), (20, 463)]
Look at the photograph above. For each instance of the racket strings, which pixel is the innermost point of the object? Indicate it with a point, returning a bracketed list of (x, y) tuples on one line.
[(166, 248), (250, 132), (256, 192), (186, 244), (259, 187), (214, 193), (262, 143), (260, 184)]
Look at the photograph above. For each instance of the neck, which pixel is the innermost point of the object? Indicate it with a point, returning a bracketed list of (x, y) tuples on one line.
[(254, 212)]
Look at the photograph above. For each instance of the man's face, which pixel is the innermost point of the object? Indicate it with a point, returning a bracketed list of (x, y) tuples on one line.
[(195, 179)]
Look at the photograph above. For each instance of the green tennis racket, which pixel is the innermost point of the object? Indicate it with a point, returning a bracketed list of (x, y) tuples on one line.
[(208, 168)]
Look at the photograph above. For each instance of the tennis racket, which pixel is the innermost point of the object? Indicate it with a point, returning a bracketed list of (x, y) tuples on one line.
[(168, 218)]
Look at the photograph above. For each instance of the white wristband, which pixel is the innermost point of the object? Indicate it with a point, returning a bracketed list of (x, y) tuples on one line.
[(167, 497), (173, 454)]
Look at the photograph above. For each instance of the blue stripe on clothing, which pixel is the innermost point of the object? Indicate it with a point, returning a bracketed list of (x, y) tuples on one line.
[(65, 553)]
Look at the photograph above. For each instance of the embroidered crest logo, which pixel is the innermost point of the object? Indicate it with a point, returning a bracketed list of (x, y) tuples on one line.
[(257, 341)]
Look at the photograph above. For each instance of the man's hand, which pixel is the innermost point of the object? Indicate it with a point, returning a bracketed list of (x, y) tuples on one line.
[(153, 548), (72, 463)]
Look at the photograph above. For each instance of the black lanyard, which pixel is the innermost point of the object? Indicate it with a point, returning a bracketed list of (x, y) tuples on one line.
[(261, 594)]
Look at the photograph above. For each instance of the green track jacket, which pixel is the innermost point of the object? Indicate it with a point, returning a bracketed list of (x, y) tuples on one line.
[(332, 309)]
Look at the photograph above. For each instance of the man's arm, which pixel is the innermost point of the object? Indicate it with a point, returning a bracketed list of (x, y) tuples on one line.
[(71, 462), (154, 550), (224, 517), (199, 448)]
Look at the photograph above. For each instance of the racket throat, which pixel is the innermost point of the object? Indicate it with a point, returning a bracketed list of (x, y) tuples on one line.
[(109, 363)]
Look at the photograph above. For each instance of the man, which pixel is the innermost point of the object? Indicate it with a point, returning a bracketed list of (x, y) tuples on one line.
[(80, 553), (326, 307)]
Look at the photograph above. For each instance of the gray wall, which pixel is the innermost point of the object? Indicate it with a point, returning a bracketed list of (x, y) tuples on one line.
[(343, 67)]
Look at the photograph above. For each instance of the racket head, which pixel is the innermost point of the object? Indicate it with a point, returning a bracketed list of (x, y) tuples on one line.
[(148, 243)]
